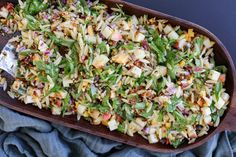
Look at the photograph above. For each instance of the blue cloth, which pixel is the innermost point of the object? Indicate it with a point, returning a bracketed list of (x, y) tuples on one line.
[(21, 136)]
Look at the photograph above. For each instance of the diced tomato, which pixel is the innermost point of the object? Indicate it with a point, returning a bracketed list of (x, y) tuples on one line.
[(10, 7), (58, 103), (176, 45), (200, 102), (106, 116), (222, 78)]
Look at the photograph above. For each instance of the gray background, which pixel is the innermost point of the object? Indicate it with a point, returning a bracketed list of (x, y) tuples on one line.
[(218, 16)]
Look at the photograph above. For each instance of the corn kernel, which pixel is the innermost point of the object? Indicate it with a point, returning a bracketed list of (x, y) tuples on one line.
[(86, 114), (105, 122), (182, 64), (168, 125), (189, 35)]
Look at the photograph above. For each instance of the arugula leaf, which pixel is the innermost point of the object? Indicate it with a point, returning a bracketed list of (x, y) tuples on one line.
[(40, 65), (160, 54), (104, 106), (214, 117), (129, 46), (27, 52), (127, 114), (66, 102), (176, 143), (221, 69), (153, 32), (172, 105), (55, 89), (32, 23), (61, 41), (193, 119), (198, 44), (150, 113), (85, 6), (42, 78), (50, 69), (33, 7), (141, 79), (116, 106), (217, 90), (140, 105), (160, 116), (69, 66), (121, 127), (179, 117), (158, 84), (171, 64), (102, 47)]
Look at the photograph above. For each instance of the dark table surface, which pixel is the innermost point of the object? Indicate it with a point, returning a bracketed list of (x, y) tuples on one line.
[(217, 16)]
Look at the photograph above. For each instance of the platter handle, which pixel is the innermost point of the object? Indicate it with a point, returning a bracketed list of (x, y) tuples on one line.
[(229, 123)]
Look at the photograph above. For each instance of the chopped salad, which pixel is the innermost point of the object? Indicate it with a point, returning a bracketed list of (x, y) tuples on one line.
[(136, 75)]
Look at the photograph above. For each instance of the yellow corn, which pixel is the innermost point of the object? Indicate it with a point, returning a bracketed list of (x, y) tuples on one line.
[(168, 125), (76, 105), (189, 35), (182, 64), (105, 122), (86, 114)]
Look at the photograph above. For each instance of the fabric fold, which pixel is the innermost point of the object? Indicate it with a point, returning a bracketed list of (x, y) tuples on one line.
[(22, 135)]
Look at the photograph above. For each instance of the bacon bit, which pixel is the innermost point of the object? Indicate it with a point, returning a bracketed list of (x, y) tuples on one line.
[(189, 68), (58, 103), (200, 102), (119, 118), (145, 45), (136, 89), (83, 16), (176, 45), (138, 63), (106, 116), (148, 94), (189, 35), (56, 17), (63, 50), (35, 93), (10, 7), (222, 78)]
